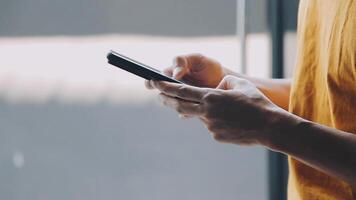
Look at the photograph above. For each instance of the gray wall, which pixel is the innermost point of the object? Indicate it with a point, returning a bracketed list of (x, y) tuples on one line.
[(129, 152), (78, 17), (154, 17)]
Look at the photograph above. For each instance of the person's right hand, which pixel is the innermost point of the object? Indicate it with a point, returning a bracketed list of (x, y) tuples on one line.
[(196, 70)]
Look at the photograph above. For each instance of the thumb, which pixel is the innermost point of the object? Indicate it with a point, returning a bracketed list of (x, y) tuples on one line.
[(180, 68), (229, 83)]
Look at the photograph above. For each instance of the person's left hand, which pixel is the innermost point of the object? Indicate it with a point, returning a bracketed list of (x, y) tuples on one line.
[(235, 112)]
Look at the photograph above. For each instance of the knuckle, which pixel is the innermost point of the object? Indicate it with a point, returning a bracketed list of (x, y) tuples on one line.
[(197, 55), (161, 86), (165, 85), (218, 137), (182, 90), (228, 78), (179, 60), (210, 97), (235, 80), (195, 59)]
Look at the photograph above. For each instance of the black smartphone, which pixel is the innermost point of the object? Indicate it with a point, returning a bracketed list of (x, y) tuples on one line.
[(137, 68)]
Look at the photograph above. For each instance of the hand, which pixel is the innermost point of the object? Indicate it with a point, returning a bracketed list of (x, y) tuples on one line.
[(235, 112), (195, 69)]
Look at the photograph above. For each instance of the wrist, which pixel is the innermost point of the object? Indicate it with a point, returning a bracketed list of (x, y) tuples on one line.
[(281, 127)]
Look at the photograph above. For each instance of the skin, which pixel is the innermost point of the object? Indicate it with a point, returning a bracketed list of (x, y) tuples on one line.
[(243, 110)]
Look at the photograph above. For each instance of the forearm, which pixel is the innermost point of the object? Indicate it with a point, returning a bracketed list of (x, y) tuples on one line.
[(326, 149), (277, 90)]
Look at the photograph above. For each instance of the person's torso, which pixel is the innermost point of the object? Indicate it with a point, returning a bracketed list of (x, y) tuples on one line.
[(324, 87)]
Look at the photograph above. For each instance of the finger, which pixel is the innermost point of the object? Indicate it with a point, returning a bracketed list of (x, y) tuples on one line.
[(185, 108), (148, 85), (204, 120), (183, 65), (185, 116), (180, 72), (182, 91), (180, 68), (168, 71), (195, 62), (230, 82)]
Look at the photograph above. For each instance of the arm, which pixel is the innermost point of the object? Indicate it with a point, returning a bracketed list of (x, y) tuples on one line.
[(237, 112), (326, 149), (329, 150)]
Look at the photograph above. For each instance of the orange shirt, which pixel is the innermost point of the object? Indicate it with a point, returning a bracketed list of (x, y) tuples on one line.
[(324, 88)]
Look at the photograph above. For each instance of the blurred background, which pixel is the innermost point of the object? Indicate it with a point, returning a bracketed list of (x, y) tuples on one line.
[(74, 127)]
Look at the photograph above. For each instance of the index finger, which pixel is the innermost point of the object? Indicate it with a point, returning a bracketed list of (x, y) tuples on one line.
[(148, 85), (181, 91), (168, 71)]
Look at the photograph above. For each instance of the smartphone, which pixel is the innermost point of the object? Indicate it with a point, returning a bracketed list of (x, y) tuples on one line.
[(137, 68)]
